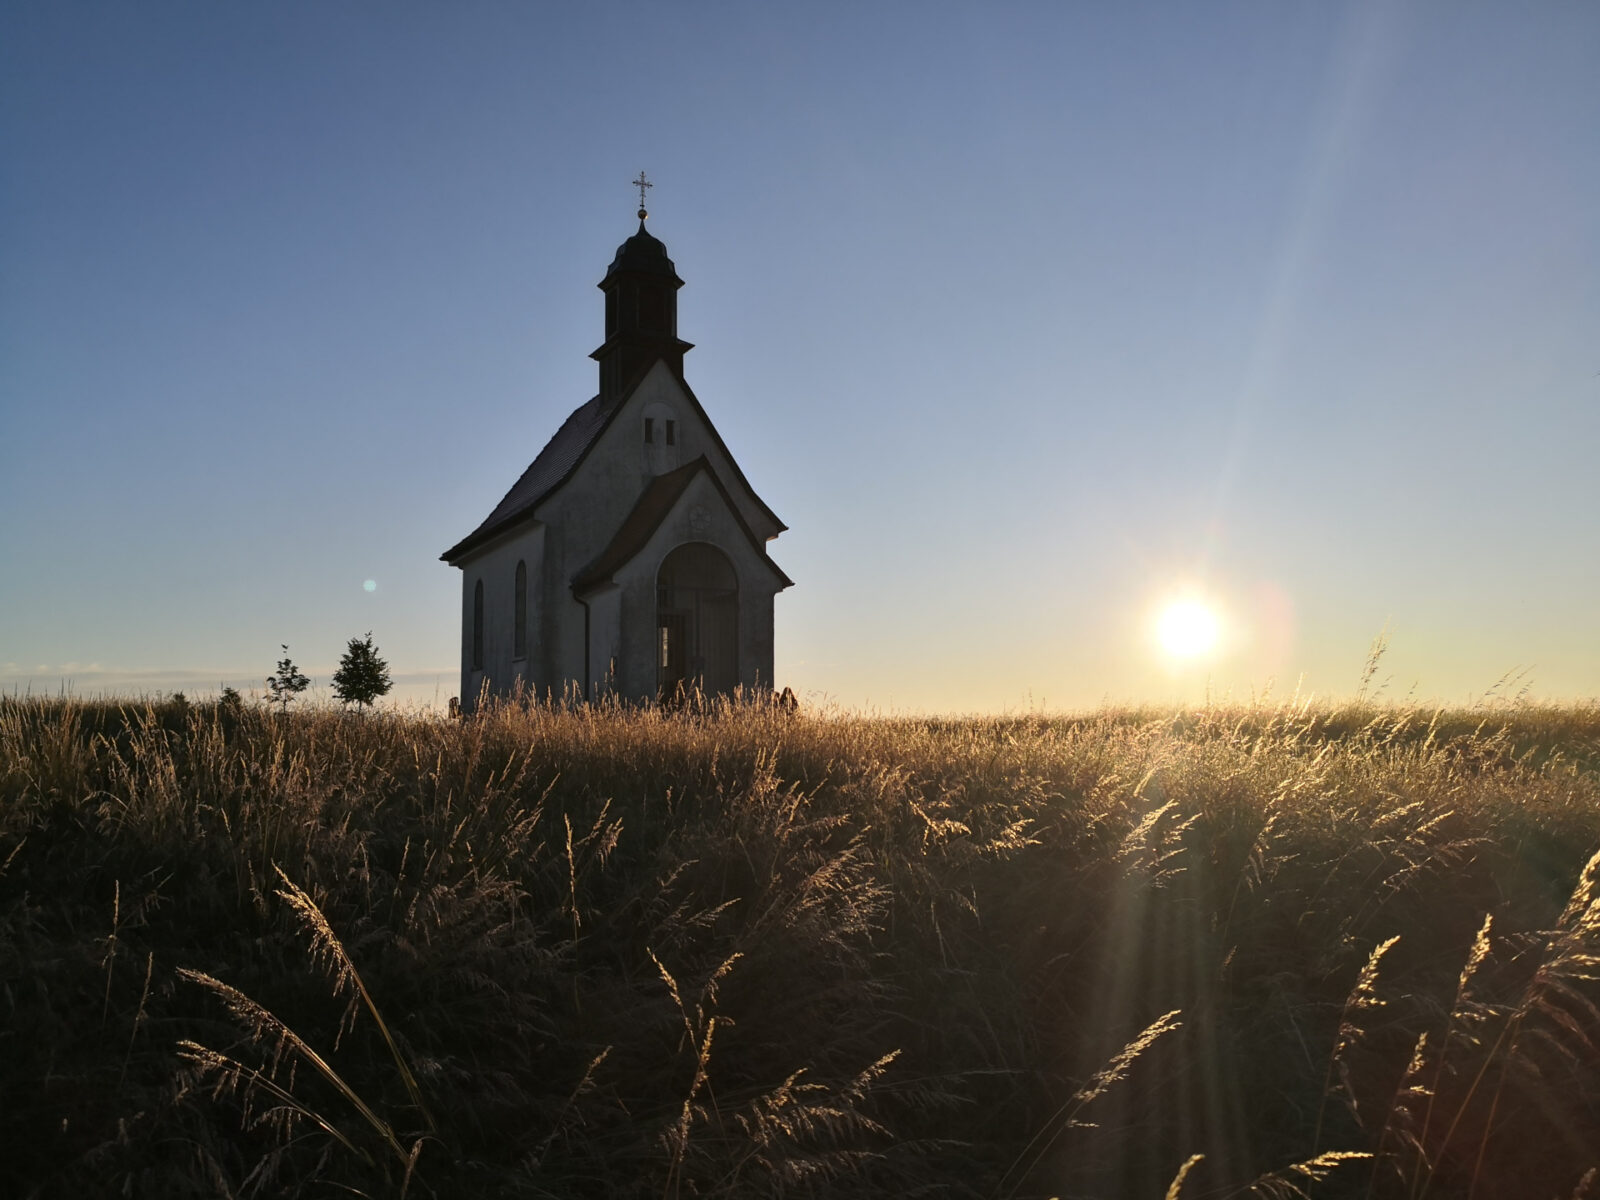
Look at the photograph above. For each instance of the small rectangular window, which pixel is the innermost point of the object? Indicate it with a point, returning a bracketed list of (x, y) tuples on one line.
[(672, 433), (649, 430), (666, 647)]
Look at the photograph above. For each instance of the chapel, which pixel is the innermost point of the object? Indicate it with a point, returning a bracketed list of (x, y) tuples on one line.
[(630, 559)]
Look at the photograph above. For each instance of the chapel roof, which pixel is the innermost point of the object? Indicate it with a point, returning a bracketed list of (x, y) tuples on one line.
[(561, 456), (640, 525), (544, 474)]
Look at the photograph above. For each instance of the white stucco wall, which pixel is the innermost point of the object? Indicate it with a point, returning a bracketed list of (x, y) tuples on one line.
[(605, 642), (496, 566)]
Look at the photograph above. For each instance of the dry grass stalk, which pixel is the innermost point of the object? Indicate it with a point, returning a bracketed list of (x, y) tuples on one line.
[(1362, 1001), (1402, 1121), (1067, 1116), (262, 1025), (1175, 1188), (1283, 1184), (328, 949)]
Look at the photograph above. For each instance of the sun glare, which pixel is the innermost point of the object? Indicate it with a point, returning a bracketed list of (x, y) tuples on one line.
[(1187, 628)]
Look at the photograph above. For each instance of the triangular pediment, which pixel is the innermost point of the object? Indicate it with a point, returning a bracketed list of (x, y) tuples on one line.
[(565, 453), (659, 500)]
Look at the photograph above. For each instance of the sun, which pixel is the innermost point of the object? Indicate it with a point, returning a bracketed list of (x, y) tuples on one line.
[(1188, 628)]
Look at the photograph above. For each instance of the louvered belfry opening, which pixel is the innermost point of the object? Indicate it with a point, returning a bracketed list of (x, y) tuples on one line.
[(697, 622)]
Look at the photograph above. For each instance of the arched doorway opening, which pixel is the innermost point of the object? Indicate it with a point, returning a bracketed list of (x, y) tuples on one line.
[(697, 621)]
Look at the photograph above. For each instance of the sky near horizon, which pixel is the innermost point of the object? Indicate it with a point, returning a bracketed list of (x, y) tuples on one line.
[(1025, 318)]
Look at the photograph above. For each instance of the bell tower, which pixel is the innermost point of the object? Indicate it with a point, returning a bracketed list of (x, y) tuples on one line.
[(641, 288)]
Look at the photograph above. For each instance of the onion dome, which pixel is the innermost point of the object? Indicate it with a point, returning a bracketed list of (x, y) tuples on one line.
[(643, 254)]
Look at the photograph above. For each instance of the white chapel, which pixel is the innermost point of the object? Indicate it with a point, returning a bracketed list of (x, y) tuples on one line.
[(630, 559)]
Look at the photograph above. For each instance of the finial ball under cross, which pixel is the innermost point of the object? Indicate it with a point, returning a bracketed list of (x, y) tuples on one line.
[(641, 183)]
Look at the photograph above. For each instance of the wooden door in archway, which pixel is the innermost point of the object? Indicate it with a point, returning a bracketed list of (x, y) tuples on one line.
[(697, 622)]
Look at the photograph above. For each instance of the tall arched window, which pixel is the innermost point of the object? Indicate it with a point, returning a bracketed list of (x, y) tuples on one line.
[(520, 641), (477, 626)]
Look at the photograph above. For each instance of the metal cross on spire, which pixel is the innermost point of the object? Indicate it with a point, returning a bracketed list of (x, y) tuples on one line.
[(641, 183)]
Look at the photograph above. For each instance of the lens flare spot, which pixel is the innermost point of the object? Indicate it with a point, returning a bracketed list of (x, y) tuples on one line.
[(370, 585), (1188, 628)]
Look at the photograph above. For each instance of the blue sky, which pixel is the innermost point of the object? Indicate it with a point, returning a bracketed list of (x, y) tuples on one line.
[(1023, 317)]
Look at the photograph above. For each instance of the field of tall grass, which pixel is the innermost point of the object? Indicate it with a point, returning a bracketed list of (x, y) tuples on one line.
[(1275, 951)]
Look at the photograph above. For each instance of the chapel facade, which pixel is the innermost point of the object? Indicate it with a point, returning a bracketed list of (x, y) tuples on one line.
[(630, 558)]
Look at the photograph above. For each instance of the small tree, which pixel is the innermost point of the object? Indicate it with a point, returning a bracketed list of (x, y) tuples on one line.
[(287, 683), (362, 676)]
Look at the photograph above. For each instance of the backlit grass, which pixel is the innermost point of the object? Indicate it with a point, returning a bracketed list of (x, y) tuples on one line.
[(1273, 951)]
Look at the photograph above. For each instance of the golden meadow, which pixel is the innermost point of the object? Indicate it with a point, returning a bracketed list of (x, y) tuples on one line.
[(1270, 950)]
